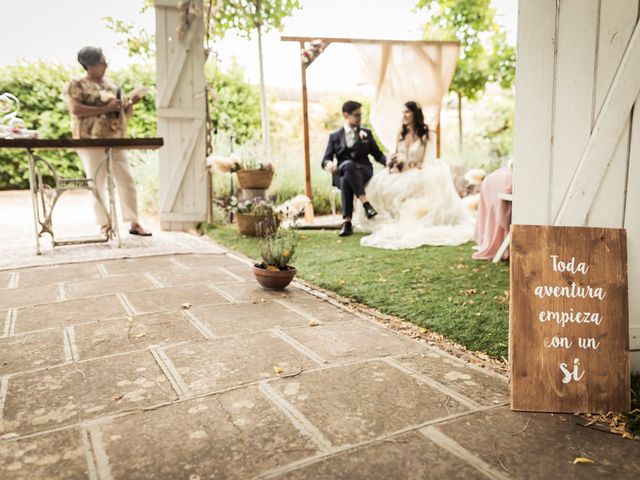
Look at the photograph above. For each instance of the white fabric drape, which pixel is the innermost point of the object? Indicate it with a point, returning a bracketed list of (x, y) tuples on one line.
[(405, 72)]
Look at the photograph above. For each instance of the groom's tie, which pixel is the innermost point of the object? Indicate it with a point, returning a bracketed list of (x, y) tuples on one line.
[(351, 138)]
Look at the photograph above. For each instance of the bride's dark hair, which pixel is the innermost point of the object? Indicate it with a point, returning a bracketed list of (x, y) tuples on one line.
[(419, 127)]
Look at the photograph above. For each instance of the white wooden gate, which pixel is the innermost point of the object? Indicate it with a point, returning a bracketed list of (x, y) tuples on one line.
[(577, 140), (181, 118)]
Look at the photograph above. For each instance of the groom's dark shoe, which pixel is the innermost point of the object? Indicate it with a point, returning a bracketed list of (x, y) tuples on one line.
[(369, 210), (346, 230)]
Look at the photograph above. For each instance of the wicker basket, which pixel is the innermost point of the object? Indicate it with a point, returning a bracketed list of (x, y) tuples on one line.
[(258, 178), (248, 223)]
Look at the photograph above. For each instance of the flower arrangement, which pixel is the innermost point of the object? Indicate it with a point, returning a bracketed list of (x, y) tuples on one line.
[(293, 208), (312, 50), (252, 206)]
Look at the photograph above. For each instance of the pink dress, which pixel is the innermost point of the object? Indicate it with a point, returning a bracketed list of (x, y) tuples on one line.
[(494, 214)]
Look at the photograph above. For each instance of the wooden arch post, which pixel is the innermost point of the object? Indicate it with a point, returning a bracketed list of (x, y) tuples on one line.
[(308, 190)]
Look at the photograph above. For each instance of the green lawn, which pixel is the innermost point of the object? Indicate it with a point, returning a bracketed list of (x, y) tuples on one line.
[(439, 288)]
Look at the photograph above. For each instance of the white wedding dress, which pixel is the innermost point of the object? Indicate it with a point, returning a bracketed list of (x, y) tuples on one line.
[(418, 206)]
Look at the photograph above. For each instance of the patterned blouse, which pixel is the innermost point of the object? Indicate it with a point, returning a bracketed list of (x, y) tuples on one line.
[(90, 93)]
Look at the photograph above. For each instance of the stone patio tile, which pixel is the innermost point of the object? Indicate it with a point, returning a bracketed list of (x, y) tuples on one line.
[(52, 456), (409, 456), (235, 435), (118, 284), (353, 403), (30, 351), (122, 335), (69, 393), (68, 313), (163, 299), (70, 273), (192, 276), (204, 260), (321, 310), (482, 388), (217, 364), (5, 279), (543, 446), (141, 264), (22, 297), (351, 341), (238, 318), (252, 292)]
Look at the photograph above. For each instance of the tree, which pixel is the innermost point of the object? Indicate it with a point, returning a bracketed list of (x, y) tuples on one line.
[(485, 55), (247, 17)]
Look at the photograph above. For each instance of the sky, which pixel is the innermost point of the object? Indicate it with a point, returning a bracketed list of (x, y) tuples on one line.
[(55, 30)]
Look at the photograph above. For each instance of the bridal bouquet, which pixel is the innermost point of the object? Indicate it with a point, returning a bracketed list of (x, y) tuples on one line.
[(398, 163)]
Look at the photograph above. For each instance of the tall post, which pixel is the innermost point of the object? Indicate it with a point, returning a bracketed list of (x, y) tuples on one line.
[(438, 130), (264, 112), (308, 214)]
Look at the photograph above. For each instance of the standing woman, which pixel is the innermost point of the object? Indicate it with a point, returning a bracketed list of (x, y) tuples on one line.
[(98, 110)]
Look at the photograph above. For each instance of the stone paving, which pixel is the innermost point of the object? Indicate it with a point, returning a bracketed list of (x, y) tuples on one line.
[(180, 366)]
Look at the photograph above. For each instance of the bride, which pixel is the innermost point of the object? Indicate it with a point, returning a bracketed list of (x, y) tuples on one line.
[(415, 196)]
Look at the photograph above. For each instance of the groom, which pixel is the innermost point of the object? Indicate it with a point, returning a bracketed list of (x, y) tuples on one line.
[(352, 169)]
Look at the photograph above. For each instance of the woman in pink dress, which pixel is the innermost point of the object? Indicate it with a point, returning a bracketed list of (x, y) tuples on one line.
[(494, 214)]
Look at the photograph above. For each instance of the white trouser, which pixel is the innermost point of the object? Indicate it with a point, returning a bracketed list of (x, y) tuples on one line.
[(93, 160)]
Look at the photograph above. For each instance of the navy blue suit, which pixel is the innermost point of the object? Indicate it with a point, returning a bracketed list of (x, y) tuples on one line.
[(354, 167)]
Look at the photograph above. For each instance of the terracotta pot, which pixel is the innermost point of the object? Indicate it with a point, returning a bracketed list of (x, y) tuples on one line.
[(248, 223), (274, 279), (255, 179)]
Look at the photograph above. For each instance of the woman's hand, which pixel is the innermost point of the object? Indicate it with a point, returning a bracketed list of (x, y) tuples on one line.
[(113, 105)]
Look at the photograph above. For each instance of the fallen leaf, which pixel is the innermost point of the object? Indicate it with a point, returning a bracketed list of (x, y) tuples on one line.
[(278, 370), (139, 335), (118, 397), (186, 305), (582, 460), (313, 323)]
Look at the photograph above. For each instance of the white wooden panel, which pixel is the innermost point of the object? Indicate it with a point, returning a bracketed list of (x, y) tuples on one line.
[(181, 116), (573, 98), (632, 224), (617, 21), (604, 138), (534, 110)]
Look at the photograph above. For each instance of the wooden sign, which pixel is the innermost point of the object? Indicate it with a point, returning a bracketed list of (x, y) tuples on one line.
[(569, 319)]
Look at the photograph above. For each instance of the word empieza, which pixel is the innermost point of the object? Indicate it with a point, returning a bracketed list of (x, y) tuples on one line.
[(572, 316)]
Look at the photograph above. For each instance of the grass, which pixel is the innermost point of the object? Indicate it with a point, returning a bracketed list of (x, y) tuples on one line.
[(439, 288)]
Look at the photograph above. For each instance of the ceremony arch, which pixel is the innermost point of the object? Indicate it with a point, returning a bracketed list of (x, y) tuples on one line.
[(432, 65)]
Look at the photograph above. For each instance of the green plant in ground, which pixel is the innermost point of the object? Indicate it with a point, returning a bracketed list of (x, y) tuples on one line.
[(439, 288), (277, 246)]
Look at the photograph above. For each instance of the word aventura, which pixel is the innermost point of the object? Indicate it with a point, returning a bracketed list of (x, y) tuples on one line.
[(571, 291)]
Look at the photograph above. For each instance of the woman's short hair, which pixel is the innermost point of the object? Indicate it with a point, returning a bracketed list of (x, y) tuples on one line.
[(89, 56)]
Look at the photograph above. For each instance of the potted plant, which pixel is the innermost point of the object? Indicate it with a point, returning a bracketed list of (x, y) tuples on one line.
[(277, 248), (250, 213), (252, 168)]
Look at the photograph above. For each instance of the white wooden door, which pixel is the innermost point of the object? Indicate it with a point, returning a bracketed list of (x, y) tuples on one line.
[(181, 118), (577, 140)]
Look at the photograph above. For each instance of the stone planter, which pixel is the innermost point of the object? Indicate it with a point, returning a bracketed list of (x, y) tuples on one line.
[(274, 279)]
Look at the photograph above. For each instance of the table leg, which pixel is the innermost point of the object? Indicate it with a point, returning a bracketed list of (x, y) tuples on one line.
[(34, 197), (113, 215)]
